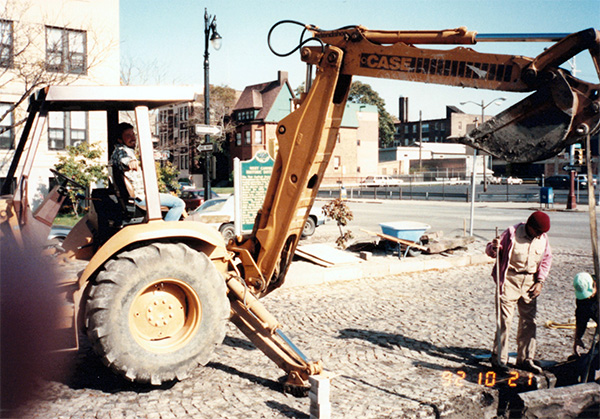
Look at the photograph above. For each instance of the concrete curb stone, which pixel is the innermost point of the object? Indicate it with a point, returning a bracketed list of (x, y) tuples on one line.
[(304, 273)]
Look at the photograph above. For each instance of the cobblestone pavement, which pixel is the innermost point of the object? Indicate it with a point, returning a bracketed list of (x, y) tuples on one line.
[(388, 339)]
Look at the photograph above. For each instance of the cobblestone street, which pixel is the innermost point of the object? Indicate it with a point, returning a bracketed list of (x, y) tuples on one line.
[(389, 340)]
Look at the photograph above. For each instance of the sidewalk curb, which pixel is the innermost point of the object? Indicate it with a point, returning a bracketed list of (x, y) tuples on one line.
[(303, 274)]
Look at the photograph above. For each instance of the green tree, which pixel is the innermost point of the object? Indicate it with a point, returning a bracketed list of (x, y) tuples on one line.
[(83, 164), (222, 101), (363, 93), (167, 176)]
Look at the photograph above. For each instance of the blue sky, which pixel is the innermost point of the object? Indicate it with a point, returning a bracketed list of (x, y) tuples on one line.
[(167, 38)]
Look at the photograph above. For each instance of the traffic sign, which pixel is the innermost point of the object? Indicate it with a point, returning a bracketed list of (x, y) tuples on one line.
[(207, 129), (206, 147)]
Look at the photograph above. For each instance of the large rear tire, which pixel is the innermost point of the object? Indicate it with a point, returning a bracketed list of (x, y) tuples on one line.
[(156, 312)]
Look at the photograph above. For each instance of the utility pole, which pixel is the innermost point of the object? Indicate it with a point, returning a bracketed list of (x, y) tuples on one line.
[(483, 106)]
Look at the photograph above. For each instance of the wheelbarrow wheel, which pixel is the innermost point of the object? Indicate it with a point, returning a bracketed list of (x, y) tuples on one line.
[(413, 251)]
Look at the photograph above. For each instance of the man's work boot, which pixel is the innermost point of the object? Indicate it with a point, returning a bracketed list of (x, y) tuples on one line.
[(529, 365), (498, 366)]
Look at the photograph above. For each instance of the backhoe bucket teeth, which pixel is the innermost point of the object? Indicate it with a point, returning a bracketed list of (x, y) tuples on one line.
[(538, 127)]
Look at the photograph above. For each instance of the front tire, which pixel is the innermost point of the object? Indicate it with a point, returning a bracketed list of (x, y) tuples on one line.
[(309, 227), (156, 312), (227, 231)]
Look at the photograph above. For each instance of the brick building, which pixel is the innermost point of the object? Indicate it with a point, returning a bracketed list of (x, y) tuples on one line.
[(54, 42)]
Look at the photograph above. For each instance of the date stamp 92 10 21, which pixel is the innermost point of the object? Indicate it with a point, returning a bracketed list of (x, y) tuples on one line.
[(487, 378)]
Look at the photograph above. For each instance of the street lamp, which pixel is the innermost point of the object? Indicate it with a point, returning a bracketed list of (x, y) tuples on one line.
[(210, 33), (483, 106)]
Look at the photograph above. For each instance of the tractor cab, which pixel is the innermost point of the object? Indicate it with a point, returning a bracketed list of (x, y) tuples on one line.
[(111, 208)]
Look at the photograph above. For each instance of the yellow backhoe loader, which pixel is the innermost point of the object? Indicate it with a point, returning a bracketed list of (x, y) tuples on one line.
[(154, 296)]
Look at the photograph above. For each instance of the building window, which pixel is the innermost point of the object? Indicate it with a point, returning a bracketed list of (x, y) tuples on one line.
[(406, 129), (358, 143), (184, 162), (358, 169), (66, 129), (238, 138), (336, 162), (258, 137), (7, 139), (66, 50), (184, 136), (183, 113), (414, 128), (425, 127), (246, 115), (248, 137), (6, 43)]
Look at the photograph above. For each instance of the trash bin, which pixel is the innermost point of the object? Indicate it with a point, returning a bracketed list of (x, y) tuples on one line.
[(546, 195)]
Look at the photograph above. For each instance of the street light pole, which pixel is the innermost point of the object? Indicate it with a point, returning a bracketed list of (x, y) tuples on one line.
[(483, 106), (210, 26), (420, 143)]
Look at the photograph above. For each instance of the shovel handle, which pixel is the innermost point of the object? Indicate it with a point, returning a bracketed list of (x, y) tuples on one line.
[(498, 320)]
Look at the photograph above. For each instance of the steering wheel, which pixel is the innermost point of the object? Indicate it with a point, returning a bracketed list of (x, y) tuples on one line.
[(67, 179)]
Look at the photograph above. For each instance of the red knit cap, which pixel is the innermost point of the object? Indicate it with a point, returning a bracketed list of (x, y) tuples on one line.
[(539, 221)]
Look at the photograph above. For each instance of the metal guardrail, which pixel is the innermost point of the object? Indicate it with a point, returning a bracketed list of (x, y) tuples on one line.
[(510, 197), (407, 193)]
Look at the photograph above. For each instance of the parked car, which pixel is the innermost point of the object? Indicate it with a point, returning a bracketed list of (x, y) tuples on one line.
[(219, 213), (493, 180), (513, 180), (58, 233), (381, 180), (582, 181), (564, 181), (185, 183), (557, 181), (193, 198)]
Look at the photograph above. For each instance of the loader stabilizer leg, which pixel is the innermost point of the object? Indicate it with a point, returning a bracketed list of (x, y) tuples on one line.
[(252, 318)]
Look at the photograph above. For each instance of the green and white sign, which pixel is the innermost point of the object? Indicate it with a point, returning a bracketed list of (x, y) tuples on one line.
[(253, 182)]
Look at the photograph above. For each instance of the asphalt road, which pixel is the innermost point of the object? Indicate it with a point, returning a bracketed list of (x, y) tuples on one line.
[(570, 229)]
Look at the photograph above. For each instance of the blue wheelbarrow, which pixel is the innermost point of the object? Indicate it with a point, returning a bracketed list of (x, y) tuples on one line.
[(406, 235)]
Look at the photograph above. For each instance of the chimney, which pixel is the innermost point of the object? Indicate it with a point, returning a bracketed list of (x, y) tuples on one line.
[(282, 76), (403, 109)]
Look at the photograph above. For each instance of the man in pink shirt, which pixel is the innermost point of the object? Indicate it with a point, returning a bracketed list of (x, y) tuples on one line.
[(524, 263)]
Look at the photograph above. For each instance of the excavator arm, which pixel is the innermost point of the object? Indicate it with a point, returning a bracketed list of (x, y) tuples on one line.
[(561, 110)]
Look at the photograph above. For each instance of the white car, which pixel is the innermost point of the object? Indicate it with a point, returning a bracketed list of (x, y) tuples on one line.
[(513, 180), (218, 212), (381, 180), (493, 180)]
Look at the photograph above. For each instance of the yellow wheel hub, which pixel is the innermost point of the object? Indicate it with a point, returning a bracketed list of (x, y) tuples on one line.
[(165, 315)]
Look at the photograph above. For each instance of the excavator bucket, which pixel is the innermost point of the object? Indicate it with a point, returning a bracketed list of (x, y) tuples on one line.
[(538, 127)]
